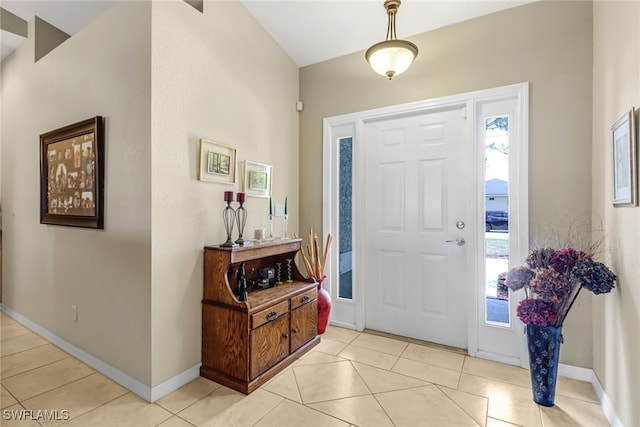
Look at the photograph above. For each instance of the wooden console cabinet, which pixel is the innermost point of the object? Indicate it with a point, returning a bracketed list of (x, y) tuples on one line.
[(245, 343)]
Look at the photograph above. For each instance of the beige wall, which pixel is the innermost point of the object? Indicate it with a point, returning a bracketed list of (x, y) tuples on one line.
[(107, 274), (138, 283), (545, 43), (616, 320), (216, 75)]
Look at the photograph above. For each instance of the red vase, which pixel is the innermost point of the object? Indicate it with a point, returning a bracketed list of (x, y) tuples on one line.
[(324, 307)]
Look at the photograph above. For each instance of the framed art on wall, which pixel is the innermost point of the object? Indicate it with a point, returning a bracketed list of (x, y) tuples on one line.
[(624, 154), (72, 175), (257, 179), (217, 162)]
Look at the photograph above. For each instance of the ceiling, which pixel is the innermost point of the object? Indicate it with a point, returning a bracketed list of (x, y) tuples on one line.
[(310, 31)]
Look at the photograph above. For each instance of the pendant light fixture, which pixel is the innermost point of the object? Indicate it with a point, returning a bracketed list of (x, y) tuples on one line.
[(392, 56)]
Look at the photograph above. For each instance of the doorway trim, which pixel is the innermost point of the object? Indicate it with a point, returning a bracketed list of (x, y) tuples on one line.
[(351, 313)]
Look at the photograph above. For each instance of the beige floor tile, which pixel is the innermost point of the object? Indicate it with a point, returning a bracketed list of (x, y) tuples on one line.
[(329, 346), (474, 406), (360, 410), (496, 371), (488, 388), (284, 385), (316, 358), (6, 399), (226, 407), (40, 380), (126, 411), (381, 344), (14, 329), (369, 357), (6, 321), (434, 356), (423, 406), (77, 397), (318, 383), (492, 422), (576, 389), (431, 373), (340, 334), (188, 394), (30, 359), (175, 421), (14, 416), (291, 414), (507, 402), (573, 412), (21, 343), (379, 380)]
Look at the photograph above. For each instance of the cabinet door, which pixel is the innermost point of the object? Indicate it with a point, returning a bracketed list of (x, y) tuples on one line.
[(269, 345), (304, 324)]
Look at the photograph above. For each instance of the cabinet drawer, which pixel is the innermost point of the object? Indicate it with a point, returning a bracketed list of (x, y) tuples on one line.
[(304, 298), (271, 313)]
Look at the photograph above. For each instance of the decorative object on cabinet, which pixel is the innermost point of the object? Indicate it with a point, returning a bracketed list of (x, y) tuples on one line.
[(270, 235), (625, 169), (246, 343), (72, 175), (217, 162), (315, 269), (285, 218), (229, 219), (241, 218), (257, 179)]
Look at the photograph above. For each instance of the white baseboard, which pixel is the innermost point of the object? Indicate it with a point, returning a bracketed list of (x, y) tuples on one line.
[(605, 403), (342, 325), (175, 383), (150, 394), (575, 372)]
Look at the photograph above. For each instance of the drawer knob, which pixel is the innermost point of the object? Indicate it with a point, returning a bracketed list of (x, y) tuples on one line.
[(295, 330), (305, 298), (272, 315), (285, 336)]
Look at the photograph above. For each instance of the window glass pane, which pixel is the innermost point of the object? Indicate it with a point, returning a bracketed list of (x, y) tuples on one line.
[(345, 286), (496, 143)]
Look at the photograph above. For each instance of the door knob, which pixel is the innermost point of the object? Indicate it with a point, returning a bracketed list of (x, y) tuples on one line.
[(458, 241)]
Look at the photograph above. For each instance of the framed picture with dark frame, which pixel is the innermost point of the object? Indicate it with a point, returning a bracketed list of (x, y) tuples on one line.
[(217, 162), (257, 179), (72, 175), (625, 162)]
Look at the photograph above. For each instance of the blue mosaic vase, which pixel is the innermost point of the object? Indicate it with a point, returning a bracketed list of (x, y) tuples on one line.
[(544, 354)]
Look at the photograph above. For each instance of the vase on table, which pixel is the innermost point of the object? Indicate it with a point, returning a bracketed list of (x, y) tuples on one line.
[(543, 343), (324, 306)]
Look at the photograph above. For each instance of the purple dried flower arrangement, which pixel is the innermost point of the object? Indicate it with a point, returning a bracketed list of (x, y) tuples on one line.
[(552, 282)]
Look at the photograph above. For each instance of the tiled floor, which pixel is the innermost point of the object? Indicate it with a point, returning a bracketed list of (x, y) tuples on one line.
[(350, 379)]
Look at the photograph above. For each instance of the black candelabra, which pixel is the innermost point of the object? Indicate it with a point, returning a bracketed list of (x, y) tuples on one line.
[(232, 216)]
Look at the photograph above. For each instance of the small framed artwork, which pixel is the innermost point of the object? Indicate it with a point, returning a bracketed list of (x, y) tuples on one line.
[(625, 168), (217, 162), (72, 175), (257, 179)]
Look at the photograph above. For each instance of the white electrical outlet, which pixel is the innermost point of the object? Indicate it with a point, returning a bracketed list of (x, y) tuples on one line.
[(74, 313)]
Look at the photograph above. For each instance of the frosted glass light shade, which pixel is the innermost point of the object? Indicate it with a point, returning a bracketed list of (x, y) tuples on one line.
[(391, 57)]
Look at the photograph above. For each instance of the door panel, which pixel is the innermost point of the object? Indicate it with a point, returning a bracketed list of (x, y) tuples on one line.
[(418, 184)]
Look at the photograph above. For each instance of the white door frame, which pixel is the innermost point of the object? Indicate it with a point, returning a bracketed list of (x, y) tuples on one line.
[(350, 313)]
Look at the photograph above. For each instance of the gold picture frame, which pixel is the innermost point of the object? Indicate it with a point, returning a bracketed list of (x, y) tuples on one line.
[(217, 162), (257, 179)]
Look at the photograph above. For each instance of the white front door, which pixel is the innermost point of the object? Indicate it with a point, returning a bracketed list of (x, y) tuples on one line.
[(419, 188)]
